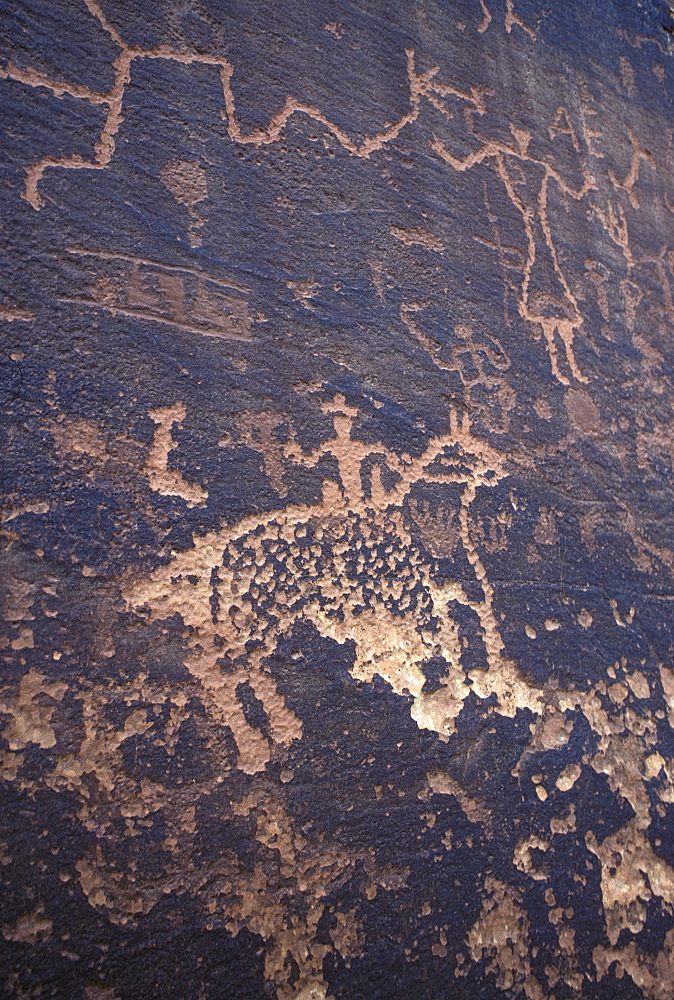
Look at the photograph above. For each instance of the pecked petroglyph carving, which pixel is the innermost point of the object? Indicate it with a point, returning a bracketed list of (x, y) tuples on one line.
[(281, 898), (351, 566), (162, 479), (633, 874), (418, 237), (180, 733), (557, 317), (185, 298), (362, 567), (628, 183), (420, 86), (479, 362), (12, 314), (187, 182), (510, 20), (501, 934)]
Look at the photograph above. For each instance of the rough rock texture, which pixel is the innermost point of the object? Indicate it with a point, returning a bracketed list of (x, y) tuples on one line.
[(338, 441)]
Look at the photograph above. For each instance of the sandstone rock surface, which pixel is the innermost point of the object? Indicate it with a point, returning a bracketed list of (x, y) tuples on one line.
[(338, 536)]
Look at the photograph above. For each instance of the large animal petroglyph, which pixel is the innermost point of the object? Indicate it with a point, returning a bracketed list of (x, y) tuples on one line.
[(352, 567), (366, 566), (379, 704)]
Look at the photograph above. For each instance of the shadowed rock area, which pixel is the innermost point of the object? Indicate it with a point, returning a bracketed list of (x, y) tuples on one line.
[(338, 538)]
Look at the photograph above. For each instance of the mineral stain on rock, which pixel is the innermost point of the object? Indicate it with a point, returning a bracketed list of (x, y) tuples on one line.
[(337, 395)]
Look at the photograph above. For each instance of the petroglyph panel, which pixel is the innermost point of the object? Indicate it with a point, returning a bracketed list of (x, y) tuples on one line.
[(338, 536), (183, 298)]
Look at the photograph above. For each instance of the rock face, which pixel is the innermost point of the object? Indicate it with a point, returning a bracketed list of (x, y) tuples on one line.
[(338, 408)]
